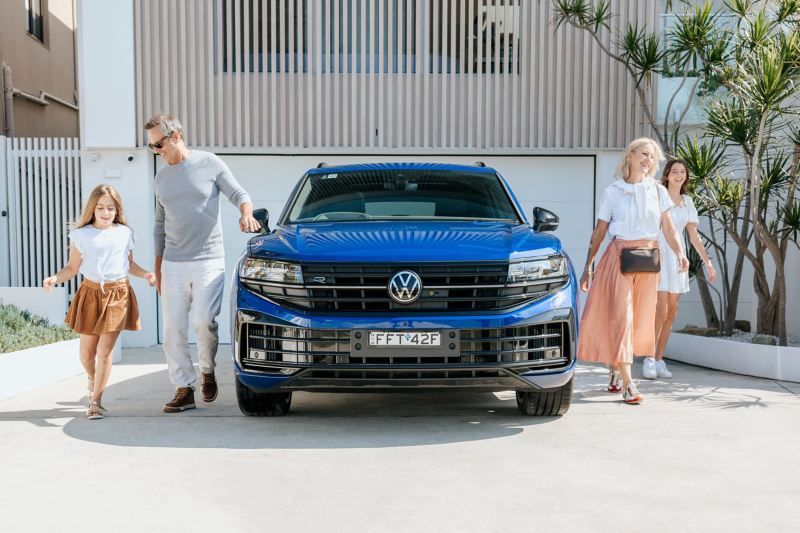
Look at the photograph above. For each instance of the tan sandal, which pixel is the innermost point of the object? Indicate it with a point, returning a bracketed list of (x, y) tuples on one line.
[(95, 411)]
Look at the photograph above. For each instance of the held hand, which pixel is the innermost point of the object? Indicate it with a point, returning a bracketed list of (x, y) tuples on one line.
[(49, 283), (584, 283), (151, 278), (248, 224), (683, 263), (712, 274)]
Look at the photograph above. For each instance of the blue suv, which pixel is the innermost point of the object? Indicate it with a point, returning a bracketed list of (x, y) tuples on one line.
[(404, 276)]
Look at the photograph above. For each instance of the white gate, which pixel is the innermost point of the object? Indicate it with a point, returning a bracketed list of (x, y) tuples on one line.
[(43, 187)]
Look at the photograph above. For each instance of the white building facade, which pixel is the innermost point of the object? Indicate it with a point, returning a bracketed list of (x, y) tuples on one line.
[(276, 86)]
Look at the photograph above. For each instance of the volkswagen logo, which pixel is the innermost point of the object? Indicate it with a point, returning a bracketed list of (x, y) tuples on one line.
[(405, 287)]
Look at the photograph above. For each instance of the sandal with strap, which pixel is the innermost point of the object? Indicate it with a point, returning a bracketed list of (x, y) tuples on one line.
[(614, 382), (95, 411), (631, 395)]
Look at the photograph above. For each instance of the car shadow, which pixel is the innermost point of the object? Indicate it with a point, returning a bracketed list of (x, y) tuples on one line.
[(316, 420)]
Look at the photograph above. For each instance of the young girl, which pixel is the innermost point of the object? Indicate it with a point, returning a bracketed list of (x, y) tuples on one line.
[(672, 283), (104, 304)]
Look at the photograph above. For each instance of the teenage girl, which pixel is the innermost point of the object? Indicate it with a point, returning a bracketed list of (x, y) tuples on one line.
[(671, 283)]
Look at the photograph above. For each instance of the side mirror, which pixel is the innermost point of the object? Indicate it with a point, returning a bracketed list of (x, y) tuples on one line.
[(544, 220), (262, 216)]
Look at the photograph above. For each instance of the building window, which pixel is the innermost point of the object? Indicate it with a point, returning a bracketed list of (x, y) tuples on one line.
[(34, 19), (275, 36), (492, 33), (267, 34)]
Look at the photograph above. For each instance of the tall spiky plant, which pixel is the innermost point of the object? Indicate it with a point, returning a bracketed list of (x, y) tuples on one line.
[(756, 122)]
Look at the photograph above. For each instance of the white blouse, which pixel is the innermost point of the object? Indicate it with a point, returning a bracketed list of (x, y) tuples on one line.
[(104, 253), (633, 210)]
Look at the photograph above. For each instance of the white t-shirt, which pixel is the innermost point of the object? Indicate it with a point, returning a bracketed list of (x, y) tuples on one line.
[(104, 253), (633, 210)]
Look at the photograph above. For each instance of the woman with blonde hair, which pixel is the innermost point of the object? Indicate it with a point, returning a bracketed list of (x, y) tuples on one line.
[(102, 250), (619, 318), (672, 283)]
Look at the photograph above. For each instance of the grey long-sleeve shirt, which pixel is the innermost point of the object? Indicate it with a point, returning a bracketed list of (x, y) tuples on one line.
[(188, 224)]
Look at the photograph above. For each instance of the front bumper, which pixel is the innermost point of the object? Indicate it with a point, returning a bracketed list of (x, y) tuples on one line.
[(530, 348)]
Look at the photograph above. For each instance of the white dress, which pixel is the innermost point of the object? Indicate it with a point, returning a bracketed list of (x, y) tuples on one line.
[(671, 280)]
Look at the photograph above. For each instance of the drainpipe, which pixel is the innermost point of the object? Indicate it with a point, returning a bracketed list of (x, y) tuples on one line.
[(8, 94)]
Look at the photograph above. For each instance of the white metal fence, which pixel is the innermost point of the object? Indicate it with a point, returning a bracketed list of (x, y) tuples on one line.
[(43, 187)]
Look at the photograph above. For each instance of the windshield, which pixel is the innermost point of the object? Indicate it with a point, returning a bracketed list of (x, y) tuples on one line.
[(391, 194)]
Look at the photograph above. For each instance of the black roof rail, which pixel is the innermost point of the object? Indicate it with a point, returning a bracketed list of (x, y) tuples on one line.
[(322, 164), (480, 164)]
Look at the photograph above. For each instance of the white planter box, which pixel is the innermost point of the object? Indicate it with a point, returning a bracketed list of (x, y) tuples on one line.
[(33, 368), (772, 362)]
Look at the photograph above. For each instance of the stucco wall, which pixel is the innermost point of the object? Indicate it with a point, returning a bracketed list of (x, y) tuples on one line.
[(37, 66)]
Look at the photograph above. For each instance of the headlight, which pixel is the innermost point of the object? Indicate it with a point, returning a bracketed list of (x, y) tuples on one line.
[(539, 269), (267, 270)]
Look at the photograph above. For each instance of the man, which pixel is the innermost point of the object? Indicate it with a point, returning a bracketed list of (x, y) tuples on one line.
[(190, 263)]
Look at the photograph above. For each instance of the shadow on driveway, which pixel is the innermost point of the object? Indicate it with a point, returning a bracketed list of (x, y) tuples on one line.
[(366, 420), (316, 420), (691, 385)]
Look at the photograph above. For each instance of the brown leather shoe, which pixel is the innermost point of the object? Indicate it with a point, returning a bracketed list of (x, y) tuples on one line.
[(208, 387), (183, 400)]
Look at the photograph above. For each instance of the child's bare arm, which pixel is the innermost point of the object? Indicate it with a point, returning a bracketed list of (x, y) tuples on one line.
[(139, 272), (67, 273)]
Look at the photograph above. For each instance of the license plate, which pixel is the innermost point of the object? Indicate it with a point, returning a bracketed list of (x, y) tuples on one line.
[(405, 338)]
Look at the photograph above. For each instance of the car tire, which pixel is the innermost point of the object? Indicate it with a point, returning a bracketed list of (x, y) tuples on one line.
[(253, 403), (548, 402)]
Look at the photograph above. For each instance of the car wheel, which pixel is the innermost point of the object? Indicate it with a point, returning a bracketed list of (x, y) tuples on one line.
[(253, 403), (550, 402)]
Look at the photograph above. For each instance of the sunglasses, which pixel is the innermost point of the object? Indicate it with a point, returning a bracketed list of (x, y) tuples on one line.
[(158, 145)]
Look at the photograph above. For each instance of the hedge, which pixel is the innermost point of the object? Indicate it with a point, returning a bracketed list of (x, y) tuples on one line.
[(20, 330)]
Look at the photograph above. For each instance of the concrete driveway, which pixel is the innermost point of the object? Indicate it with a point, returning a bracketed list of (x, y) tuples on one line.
[(707, 451)]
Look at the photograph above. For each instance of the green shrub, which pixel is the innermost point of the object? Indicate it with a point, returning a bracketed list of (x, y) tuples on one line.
[(20, 330)]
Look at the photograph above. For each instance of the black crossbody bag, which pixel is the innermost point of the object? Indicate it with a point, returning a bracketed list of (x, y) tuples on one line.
[(634, 260)]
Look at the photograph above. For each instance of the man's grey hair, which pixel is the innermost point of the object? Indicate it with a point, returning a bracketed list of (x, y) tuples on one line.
[(166, 123)]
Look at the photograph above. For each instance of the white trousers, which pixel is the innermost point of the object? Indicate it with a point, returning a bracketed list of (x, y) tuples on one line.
[(184, 285)]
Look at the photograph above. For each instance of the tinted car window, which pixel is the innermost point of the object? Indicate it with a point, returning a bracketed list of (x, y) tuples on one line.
[(401, 194)]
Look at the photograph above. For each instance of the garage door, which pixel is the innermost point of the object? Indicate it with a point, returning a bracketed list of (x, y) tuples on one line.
[(565, 185)]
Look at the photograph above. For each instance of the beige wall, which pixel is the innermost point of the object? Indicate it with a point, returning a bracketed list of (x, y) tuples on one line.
[(36, 67)]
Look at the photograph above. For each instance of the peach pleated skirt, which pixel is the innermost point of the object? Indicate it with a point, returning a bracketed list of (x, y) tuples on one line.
[(94, 311), (619, 319)]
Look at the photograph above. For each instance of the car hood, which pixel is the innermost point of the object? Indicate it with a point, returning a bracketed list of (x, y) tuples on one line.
[(380, 242)]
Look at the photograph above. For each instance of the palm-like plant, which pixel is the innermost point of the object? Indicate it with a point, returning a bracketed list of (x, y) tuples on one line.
[(756, 123), (717, 198)]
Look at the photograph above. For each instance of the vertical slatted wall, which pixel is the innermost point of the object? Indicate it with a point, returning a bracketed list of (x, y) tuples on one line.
[(44, 196), (371, 75)]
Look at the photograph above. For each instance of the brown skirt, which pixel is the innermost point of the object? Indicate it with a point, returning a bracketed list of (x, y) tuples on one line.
[(94, 311), (619, 318)]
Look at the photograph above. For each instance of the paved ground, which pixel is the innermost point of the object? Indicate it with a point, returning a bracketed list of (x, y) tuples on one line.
[(708, 451)]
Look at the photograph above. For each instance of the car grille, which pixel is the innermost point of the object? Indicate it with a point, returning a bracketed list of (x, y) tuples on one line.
[(269, 348), (363, 288)]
